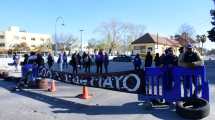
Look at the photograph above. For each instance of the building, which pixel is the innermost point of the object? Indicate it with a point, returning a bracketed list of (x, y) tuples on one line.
[(14, 36), (155, 43)]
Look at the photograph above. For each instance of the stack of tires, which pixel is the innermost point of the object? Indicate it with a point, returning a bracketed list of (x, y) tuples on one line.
[(193, 108)]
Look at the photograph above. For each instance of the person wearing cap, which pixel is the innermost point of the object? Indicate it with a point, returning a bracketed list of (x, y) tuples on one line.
[(191, 59)]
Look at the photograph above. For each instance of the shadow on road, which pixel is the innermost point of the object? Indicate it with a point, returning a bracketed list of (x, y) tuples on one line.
[(65, 106)]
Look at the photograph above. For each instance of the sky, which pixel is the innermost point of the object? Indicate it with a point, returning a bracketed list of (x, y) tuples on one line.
[(158, 16)]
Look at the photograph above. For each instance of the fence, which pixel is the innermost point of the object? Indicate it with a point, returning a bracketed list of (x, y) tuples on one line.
[(171, 84), (174, 84)]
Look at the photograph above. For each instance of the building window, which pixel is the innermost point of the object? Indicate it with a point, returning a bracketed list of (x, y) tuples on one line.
[(16, 37), (2, 44), (23, 38), (1, 36), (33, 39), (150, 49), (136, 47), (143, 47), (42, 39)]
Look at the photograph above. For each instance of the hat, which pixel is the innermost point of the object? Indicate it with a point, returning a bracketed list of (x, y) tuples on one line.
[(189, 46)]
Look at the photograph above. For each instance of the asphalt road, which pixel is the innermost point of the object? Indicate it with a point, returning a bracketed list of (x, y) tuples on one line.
[(105, 104)]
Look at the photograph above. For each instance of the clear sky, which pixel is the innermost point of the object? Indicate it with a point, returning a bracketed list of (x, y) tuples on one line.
[(162, 16)]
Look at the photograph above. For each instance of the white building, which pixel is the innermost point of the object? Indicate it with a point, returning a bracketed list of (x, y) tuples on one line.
[(14, 36)]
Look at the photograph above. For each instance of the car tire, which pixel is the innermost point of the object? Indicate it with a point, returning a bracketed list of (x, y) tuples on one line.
[(200, 109)]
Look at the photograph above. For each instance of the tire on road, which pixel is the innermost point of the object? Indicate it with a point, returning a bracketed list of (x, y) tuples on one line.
[(193, 108)]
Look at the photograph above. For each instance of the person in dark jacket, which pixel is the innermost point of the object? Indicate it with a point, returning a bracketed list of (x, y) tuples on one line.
[(157, 60), (50, 60), (40, 60), (169, 60), (25, 59), (106, 62), (148, 60), (78, 61), (192, 59), (137, 62), (99, 62), (84, 55), (73, 62), (87, 62)]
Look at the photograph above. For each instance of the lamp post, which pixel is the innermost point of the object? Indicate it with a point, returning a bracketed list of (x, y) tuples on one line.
[(81, 39), (57, 19), (203, 40)]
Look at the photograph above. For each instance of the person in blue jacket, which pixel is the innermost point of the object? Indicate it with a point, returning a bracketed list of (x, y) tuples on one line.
[(60, 61), (65, 64), (137, 62)]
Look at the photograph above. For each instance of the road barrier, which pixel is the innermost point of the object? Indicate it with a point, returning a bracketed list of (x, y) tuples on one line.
[(170, 84), (185, 82)]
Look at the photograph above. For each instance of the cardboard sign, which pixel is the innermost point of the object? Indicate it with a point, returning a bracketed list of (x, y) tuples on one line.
[(129, 81)]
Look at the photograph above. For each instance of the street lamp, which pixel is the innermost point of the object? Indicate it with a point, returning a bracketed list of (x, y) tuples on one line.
[(62, 24), (81, 39), (203, 40)]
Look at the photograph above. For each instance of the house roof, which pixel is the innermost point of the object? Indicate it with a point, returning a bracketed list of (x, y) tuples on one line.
[(150, 38)]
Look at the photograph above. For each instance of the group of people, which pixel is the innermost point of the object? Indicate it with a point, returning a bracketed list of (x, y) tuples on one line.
[(85, 61), (187, 58)]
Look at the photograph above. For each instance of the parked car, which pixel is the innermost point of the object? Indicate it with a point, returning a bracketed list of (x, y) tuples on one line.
[(122, 58)]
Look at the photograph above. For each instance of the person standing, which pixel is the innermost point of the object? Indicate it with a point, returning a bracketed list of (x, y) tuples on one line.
[(16, 61), (40, 60), (73, 62), (148, 60), (106, 62), (60, 62), (137, 62), (181, 56), (65, 64), (87, 62), (169, 60), (191, 59), (84, 60), (99, 62), (157, 60), (50, 60), (78, 61)]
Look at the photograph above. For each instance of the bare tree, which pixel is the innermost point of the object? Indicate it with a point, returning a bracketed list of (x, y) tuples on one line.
[(132, 33), (112, 31), (119, 35), (71, 42), (187, 29), (67, 42)]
